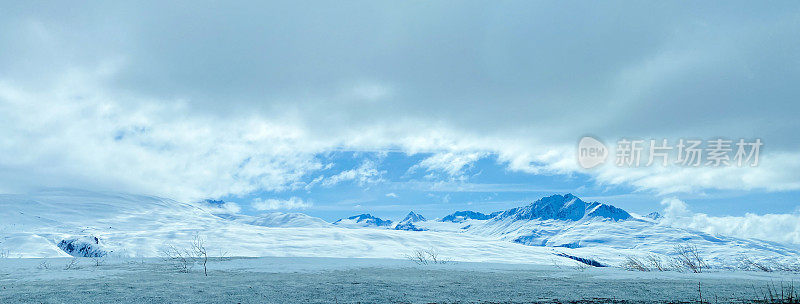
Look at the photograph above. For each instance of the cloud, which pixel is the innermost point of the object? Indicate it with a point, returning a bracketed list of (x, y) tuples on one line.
[(277, 204), (453, 164), (392, 195), (675, 209), (92, 142), (774, 173), (106, 97), (231, 207), (771, 227), (367, 173)]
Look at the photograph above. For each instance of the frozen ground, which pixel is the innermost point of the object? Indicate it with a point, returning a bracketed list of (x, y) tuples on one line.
[(327, 280)]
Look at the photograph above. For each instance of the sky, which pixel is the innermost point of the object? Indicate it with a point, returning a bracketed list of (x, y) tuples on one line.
[(381, 107)]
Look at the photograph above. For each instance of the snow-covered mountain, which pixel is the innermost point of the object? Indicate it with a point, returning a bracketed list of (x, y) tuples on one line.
[(408, 222), (363, 220), (460, 216), (564, 207), (654, 216)]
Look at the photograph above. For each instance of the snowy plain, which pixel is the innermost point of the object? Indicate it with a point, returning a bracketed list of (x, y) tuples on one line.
[(521, 255), (329, 280)]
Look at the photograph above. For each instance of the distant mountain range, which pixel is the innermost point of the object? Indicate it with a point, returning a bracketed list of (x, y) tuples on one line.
[(555, 207)]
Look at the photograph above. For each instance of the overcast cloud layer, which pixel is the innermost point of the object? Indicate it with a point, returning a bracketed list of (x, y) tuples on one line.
[(194, 101)]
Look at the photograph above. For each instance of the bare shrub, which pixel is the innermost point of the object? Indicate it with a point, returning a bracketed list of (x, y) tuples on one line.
[(418, 256), (656, 263), (652, 262), (426, 256), (580, 266), (99, 261), (749, 264), (783, 294), (72, 263), (180, 259), (184, 259), (43, 265), (633, 263), (787, 267), (555, 264), (689, 257), (223, 255), (675, 265)]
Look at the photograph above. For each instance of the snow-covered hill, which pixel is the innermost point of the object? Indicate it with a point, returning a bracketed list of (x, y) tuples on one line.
[(63, 223), (34, 225), (278, 219)]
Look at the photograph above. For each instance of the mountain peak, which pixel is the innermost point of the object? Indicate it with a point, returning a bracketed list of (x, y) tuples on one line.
[(564, 207), (413, 217), (408, 222)]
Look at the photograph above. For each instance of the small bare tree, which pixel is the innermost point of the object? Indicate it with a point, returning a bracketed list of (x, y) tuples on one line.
[(690, 257), (199, 251)]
